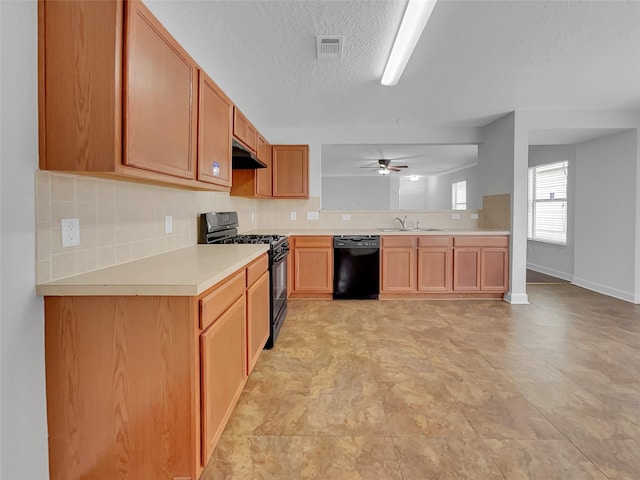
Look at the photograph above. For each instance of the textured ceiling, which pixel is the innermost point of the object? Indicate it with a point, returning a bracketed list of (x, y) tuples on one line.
[(423, 160), (476, 59)]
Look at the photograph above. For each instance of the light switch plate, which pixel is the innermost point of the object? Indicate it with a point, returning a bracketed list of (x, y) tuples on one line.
[(70, 228), (168, 224), (313, 215), (346, 216), (293, 216), (455, 216), (474, 216)]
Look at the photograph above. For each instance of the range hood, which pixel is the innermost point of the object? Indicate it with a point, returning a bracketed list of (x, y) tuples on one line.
[(243, 159)]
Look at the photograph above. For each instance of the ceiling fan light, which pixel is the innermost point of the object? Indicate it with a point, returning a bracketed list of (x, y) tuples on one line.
[(384, 171), (415, 18)]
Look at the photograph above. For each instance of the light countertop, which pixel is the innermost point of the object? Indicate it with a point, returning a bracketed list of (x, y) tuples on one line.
[(374, 231), (185, 272)]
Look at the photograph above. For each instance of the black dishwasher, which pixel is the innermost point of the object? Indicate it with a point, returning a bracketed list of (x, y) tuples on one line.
[(356, 267)]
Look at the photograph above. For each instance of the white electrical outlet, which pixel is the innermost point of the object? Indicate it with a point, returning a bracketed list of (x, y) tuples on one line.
[(253, 217), (346, 217), (455, 216), (313, 215), (168, 224), (293, 216), (70, 228), (474, 216)]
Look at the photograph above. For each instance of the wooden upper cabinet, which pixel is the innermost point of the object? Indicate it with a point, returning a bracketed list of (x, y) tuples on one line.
[(264, 186), (80, 85), (256, 182), (215, 124), (112, 103), (291, 171), (160, 98), (243, 130)]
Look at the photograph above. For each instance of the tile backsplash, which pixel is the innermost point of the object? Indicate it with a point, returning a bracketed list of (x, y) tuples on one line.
[(277, 214), (122, 221), (119, 221)]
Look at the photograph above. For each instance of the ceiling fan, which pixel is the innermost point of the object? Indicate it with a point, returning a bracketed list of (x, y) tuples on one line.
[(383, 167)]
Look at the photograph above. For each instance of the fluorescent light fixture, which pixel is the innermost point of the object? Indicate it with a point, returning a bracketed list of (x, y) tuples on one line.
[(414, 178), (415, 18)]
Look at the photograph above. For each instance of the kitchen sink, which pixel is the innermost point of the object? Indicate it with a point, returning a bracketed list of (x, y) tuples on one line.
[(390, 229), (427, 229)]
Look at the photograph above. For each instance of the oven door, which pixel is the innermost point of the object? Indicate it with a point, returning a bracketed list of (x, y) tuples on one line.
[(279, 289)]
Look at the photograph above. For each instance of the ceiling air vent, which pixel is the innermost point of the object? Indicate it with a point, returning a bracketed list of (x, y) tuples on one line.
[(329, 47)]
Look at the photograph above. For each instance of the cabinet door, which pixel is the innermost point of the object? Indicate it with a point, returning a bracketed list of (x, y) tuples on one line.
[(313, 270), (264, 187), (291, 171), (243, 130), (223, 372), (257, 319), (494, 269), (160, 116), (435, 265), (398, 267), (466, 268), (215, 116)]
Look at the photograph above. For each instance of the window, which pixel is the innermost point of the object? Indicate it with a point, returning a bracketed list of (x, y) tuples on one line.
[(547, 186), (459, 195)]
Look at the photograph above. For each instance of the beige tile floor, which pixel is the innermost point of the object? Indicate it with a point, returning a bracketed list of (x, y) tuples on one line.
[(418, 390)]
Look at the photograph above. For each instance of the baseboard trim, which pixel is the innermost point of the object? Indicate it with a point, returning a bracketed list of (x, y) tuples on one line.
[(550, 271), (516, 298), (605, 290)]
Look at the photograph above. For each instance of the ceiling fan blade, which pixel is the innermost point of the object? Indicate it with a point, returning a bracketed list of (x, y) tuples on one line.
[(394, 169), (401, 166)]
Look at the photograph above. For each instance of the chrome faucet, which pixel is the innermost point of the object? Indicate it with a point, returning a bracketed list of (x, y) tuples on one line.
[(402, 222)]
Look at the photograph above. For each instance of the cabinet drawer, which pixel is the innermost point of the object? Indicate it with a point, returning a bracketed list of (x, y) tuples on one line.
[(256, 269), (434, 241), (221, 298), (481, 241), (313, 241), (399, 241)]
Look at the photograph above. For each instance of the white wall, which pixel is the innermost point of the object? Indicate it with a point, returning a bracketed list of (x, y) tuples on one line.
[(502, 168), (356, 193), (556, 260), (24, 431), (439, 189), (605, 217)]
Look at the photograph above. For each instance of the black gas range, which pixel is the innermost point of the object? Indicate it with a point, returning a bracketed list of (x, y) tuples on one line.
[(222, 228)]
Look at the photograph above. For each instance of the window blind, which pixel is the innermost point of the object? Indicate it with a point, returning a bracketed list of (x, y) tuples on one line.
[(547, 203)]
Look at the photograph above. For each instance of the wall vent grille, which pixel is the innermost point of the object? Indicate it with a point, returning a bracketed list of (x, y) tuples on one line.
[(329, 47)]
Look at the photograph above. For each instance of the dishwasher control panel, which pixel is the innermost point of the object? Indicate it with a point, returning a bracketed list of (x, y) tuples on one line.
[(356, 241)]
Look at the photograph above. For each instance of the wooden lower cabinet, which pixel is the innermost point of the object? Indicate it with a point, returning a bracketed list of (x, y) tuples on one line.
[(466, 275), (223, 372), (257, 319), (481, 264), (142, 386), (433, 266), (494, 269), (121, 398), (312, 266), (398, 264)]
